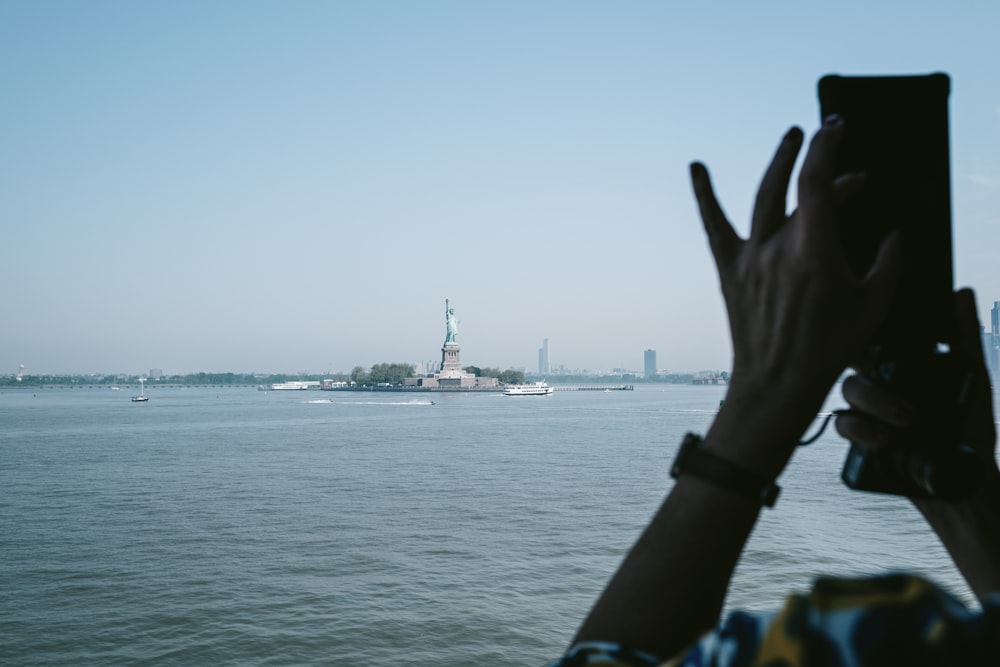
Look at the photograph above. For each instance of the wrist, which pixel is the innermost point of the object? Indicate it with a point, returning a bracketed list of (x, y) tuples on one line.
[(759, 429), (970, 530), (693, 459), (789, 393), (985, 500)]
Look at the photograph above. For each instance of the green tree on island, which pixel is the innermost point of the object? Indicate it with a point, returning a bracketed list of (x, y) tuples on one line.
[(506, 377), (383, 373), (511, 377)]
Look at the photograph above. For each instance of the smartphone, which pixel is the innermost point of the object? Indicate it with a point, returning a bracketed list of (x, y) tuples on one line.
[(897, 133)]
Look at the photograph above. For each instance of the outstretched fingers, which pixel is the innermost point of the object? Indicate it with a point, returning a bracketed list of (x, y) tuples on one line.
[(817, 198), (769, 207), (721, 237)]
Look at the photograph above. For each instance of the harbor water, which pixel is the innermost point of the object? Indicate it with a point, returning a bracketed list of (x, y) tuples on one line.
[(229, 526)]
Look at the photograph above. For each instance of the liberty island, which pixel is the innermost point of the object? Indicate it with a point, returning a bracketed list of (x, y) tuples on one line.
[(452, 377)]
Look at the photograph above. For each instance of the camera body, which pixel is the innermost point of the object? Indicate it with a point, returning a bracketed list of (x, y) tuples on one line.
[(897, 134), (926, 460)]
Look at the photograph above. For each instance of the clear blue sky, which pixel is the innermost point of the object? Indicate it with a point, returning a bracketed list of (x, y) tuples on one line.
[(297, 186)]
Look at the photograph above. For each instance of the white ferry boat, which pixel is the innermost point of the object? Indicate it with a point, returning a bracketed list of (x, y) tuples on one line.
[(537, 389), (286, 386)]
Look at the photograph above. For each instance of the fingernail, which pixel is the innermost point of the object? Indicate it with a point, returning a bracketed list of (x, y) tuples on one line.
[(833, 121)]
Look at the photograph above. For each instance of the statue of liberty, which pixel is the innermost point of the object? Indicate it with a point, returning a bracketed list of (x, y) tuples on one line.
[(451, 324)]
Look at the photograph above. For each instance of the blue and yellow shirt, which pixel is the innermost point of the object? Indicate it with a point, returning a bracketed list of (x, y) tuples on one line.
[(890, 620)]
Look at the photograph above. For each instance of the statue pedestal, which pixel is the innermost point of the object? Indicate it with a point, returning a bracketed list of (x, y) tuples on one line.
[(451, 373), (450, 363)]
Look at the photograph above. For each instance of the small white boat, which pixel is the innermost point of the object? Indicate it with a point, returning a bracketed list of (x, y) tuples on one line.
[(141, 398), (536, 389)]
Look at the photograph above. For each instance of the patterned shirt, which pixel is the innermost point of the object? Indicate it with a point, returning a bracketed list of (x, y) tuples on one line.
[(889, 620)]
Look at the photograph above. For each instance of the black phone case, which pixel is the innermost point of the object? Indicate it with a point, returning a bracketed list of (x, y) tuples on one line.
[(897, 133)]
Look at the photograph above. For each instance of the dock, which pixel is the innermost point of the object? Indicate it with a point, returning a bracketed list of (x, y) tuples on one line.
[(609, 387), (477, 390)]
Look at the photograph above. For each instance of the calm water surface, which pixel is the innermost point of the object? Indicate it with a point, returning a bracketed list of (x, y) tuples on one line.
[(235, 527)]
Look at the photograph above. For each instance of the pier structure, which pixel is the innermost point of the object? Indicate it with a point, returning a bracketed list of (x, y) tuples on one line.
[(600, 387), (428, 384)]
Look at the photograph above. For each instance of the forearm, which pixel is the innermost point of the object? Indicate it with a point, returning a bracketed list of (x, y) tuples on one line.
[(671, 587), (798, 313), (970, 531)]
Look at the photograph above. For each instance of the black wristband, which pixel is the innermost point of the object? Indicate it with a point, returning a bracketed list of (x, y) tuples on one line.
[(693, 460)]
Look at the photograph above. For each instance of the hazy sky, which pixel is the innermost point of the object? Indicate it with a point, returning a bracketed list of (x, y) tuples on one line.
[(298, 186)]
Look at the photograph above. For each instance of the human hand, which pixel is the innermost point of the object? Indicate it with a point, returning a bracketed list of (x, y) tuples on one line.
[(798, 313), (969, 528), (878, 414)]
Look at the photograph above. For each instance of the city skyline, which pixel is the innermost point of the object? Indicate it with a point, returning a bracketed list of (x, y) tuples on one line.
[(990, 340), (423, 367), (274, 188)]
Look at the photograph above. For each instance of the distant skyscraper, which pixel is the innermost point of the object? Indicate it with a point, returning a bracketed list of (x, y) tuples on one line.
[(543, 357), (649, 363), (993, 348)]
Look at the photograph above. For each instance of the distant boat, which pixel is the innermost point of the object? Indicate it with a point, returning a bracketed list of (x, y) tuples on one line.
[(537, 389), (286, 386), (141, 398)]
